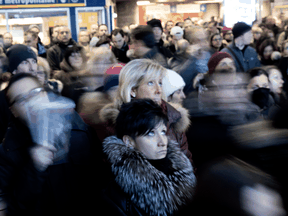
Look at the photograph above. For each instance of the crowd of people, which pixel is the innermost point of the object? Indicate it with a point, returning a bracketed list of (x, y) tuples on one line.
[(185, 119)]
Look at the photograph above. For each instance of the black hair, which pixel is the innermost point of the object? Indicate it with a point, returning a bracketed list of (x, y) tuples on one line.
[(103, 40), (145, 34), (4, 61), (264, 44), (180, 24), (116, 31), (16, 78), (257, 71), (212, 36), (138, 118), (73, 49)]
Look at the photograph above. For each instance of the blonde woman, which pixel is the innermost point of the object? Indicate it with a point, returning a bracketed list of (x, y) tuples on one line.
[(139, 79)]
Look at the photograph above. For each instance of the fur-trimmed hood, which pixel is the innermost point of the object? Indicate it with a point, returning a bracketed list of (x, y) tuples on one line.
[(178, 116), (150, 189)]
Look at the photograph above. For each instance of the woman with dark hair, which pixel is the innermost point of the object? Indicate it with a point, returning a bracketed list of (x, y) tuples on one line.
[(215, 43), (268, 53), (152, 175)]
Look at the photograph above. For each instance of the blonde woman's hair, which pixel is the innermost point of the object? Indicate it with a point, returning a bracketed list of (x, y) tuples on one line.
[(44, 63), (135, 73)]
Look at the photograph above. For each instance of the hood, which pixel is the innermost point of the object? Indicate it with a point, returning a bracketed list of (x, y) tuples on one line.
[(150, 189), (178, 116)]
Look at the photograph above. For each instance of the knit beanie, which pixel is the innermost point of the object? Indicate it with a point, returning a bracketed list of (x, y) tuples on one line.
[(240, 28), (18, 53), (172, 82), (155, 23), (215, 59)]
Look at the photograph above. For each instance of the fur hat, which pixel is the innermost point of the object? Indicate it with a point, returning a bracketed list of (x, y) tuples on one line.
[(18, 53), (215, 59), (240, 28), (172, 82), (155, 23)]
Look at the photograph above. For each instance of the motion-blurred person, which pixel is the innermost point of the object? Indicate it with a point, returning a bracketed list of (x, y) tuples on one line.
[(84, 41), (168, 26), (143, 45), (31, 39), (256, 31), (227, 35), (40, 46), (41, 176), (187, 24), (283, 36), (142, 78), (180, 24), (104, 41), (180, 56), (94, 35), (120, 47), (7, 40), (271, 25), (5, 75), (54, 36), (159, 43), (173, 85), (215, 43), (212, 28), (268, 53), (154, 159), (177, 34), (245, 57), (55, 54)]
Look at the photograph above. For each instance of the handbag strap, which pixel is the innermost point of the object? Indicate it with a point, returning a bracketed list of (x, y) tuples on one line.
[(235, 57)]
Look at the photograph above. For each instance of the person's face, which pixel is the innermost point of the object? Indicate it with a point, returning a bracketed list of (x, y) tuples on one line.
[(226, 65), (267, 52), (217, 41), (200, 38), (41, 74), (247, 37), (257, 35), (94, 28), (75, 59), (55, 33), (137, 47), (211, 28), (276, 81), (177, 37), (27, 66), (103, 30), (30, 41), (118, 40), (188, 24), (21, 92), (35, 30), (154, 144), (178, 96), (258, 82), (64, 35), (84, 37), (157, 33), (229, 35), (169, 26), (7, 39), (151, 89)]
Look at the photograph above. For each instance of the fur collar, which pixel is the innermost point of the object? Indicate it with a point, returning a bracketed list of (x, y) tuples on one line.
[(151, 190), (177, 115)]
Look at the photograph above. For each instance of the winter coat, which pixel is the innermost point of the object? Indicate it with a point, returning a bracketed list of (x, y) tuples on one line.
[(163, 50), (120, 54), (5, 115), (56, 190), (134, 193), (156, 56), (178, 123), (55, 54), (176, 62), (248, 60)]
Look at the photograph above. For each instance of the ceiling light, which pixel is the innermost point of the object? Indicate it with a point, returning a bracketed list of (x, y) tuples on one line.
[(143, 2)]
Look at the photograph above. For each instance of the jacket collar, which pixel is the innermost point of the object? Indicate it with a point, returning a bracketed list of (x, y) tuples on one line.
[(150, 189)]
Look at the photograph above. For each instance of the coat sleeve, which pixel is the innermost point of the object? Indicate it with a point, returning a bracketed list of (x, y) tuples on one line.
[(52, 59), (182, 139)]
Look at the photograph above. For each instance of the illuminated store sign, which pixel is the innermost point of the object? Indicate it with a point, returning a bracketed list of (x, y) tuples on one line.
[(5, 4)]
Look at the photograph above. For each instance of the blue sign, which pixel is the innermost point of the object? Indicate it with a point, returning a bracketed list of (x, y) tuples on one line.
[(203, 7), (173, 9), (41, 3)]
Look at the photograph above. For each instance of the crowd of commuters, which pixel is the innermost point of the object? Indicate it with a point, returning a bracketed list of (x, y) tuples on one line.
[(177, 119)]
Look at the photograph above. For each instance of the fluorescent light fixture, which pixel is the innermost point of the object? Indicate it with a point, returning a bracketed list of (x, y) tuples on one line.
[(143, 2), (115, 15)]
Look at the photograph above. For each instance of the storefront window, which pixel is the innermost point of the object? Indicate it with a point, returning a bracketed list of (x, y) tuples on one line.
[(20, 20)]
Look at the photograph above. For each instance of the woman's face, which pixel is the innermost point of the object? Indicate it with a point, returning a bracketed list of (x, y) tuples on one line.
[(276, 81), (217, 41), (267, 52), (178, 96), (76, 60), (257, 35), (154, 144), (258, 82), (151, 89)]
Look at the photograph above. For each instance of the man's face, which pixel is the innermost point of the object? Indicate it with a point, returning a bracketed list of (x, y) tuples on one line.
[(84, 37), (35, 30), (118, 40), (30, 41), (157, 33), (137, 47), (7, 39), (64, 35), (187, 24), (55, 33), (169, 26), (27, 66), (248, 36), (226, 65), (94, 28), (103, 30)]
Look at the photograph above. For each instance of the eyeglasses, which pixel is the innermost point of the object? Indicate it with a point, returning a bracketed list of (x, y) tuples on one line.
[(219, 39), (22, 98)]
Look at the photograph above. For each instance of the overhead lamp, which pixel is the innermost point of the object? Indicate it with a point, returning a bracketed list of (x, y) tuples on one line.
[(143, 2)]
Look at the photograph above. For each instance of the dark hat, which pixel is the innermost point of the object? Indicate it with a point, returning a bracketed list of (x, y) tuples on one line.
[(155, 23), (215, 59), (18, 53), (240, 28)]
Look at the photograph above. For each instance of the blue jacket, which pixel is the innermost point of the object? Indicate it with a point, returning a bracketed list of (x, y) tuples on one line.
[(248, 61)]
